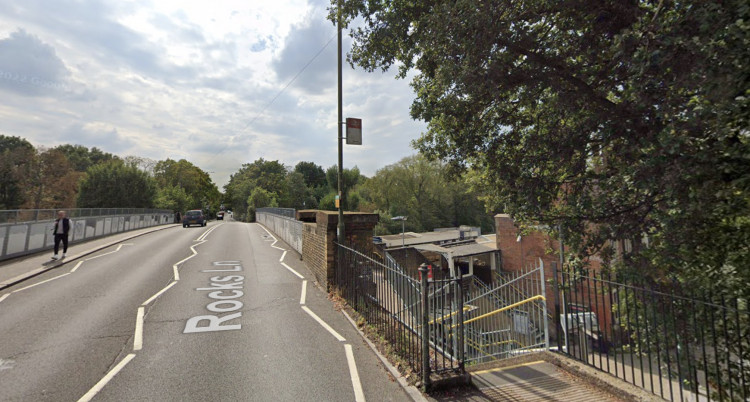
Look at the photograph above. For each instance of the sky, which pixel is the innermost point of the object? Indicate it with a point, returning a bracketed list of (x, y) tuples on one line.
[(218, 83)]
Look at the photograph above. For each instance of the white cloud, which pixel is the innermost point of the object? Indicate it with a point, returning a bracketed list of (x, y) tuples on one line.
[(213, 83)]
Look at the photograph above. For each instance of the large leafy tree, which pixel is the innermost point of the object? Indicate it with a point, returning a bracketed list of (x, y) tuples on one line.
[(267, 175), (16, 155), (614, 119), (114, 184), (51, 181), (183, 186), (82, 158), (423, 191), (313, 174), (350, 178)]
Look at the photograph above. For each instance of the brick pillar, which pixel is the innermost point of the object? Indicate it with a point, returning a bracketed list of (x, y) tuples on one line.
[(319, 250)]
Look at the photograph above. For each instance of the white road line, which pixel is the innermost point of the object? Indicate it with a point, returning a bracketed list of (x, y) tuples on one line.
[(37, 284), (102, 255), (324, 324), (175, 266), (282, 256), (76, 267), (273, 237), (359, 394), (207, 232), (5, 296), (159, 293), (304, 293), (138, 338), (293, 271), (107, 378)]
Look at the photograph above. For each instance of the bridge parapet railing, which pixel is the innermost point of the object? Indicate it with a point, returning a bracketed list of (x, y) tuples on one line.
[(31, 230), (40, 215)]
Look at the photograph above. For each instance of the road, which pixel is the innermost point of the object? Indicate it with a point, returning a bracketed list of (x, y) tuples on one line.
[(222, 312)]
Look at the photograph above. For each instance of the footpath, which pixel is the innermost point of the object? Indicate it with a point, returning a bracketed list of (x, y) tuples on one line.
[(536, 377), (19, 269)]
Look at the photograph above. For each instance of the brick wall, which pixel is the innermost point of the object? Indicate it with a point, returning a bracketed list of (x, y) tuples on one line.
[(318, 248), (536, 245)]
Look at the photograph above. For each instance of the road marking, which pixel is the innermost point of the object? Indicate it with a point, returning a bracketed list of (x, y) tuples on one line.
[(207, 232), (282, 256), (138, 338), (102, 255), (175, 266), (273, 237), (76, 267), (5, 296), (304, 293), (324, 324), (37, 284), (293, 271), (107, 378), (6, 364), (152, 298), (359, 394)]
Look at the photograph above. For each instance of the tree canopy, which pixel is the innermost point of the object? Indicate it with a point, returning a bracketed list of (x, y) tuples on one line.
[(114, 184), (614, 119)]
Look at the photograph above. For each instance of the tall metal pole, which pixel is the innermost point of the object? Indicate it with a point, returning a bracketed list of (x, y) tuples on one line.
[(341, 234)]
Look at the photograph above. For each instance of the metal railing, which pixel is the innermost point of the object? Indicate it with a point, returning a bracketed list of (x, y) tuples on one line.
[(510, 318), (24, 238), (677, 345), (428, 334), (39, 215), (288, 228), (288, 212)]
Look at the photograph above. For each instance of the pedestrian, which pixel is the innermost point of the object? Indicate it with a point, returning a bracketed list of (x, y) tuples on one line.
[(61, 229)]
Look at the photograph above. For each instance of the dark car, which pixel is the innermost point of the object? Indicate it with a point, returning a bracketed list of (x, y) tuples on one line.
[(193, 217), (220, 216)]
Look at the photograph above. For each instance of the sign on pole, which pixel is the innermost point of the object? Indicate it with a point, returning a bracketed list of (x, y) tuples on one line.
[(353, 131)]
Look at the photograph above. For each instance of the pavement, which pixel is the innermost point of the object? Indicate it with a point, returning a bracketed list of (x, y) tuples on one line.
[(17, 270), (541, 376)]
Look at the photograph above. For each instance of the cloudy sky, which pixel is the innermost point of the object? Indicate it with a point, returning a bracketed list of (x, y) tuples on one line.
[(205, 81)]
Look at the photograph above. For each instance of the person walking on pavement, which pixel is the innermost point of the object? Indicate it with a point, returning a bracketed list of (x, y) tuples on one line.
[(62, 227)]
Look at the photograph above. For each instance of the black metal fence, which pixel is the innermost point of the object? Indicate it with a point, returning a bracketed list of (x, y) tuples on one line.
[(392, 303), (674, 343)]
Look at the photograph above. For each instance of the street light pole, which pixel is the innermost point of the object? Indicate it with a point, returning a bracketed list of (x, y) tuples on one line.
[(403, 232), (341, 233)]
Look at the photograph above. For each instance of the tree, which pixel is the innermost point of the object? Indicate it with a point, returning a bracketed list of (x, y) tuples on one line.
[(614, 119), (197, 188), (16, 155), (313, 174), (296, 193), (423, 190), (82, 158), (51, 181), (114, 184), (350, 179), (268, 175), (174, 198), (259, 198)]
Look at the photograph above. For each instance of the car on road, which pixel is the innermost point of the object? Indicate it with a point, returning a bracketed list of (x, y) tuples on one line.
[(220, 216), (193, 217)]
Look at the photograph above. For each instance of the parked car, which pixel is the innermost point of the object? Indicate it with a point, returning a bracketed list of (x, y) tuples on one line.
[(220, 216), (194, 217)]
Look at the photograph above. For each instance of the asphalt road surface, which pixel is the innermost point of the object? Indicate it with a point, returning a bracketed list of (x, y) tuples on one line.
[(224, 312)]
